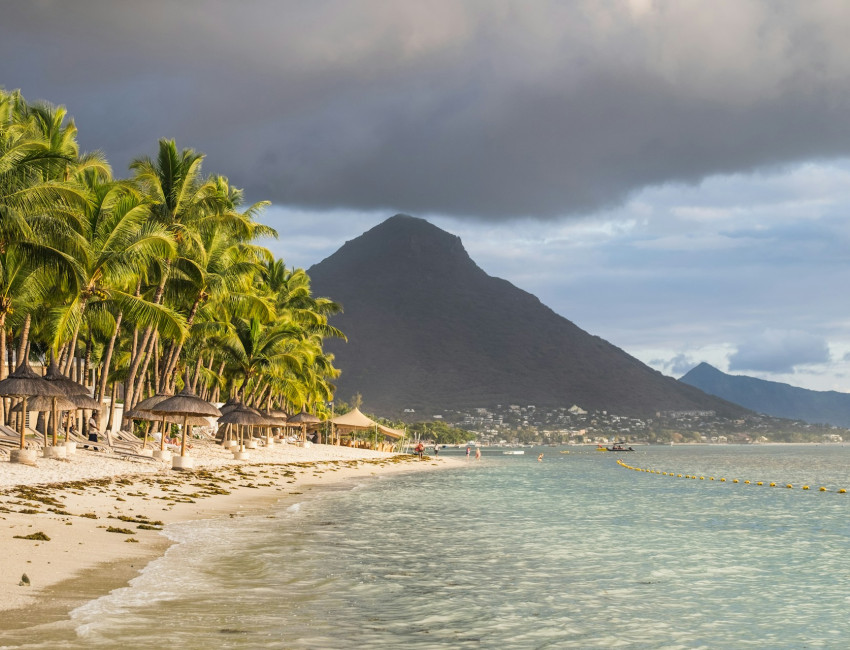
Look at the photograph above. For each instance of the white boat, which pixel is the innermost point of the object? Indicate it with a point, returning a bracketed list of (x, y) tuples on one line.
[(517, 452)]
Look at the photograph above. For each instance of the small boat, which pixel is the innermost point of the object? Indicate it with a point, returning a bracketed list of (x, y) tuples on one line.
[(518, 452), (619, 446)]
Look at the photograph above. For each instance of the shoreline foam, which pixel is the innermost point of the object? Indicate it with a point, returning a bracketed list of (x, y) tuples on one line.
[(86, 558)]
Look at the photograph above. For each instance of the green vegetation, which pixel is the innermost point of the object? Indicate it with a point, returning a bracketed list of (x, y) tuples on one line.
[(440, 432), (150, 281)]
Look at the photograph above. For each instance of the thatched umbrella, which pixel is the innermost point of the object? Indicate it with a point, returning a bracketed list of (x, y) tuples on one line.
[(229, 405), (242, 416), (46, 404), (232, 404), (68, 385), (85, 402), (144, 407), (25, 383), (194, 420), (185, 403), (239, 406), (276, 418), (43, 403), (271, 422), (304, 419)]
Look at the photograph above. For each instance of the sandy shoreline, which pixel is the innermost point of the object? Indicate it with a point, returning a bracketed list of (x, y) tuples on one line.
[(102, 514)]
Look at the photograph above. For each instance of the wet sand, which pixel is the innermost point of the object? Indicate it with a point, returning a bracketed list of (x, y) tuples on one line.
[(104, 516)]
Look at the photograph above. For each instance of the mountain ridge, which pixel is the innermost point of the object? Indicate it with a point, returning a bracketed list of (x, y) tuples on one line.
[(771, 397), (429, 329)]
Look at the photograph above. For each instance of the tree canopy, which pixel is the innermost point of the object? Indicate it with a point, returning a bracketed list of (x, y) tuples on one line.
[(143, 284)]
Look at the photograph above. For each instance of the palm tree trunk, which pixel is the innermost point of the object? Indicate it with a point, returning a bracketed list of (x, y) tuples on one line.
[(151, 345), (161, 368), (133, 372), (112, 404), (217, 391), (156, 382), (22, 344), (197, 373), (107, 360), (259, 394), (10, 351), (136, 359), (3, 371), (87, 364), (178, 348), (74, 337)]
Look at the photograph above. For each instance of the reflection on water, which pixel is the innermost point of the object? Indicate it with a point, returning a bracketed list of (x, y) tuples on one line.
[(573, 552)]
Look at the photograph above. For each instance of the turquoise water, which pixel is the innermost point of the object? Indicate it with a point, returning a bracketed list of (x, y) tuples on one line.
[(572, 552)]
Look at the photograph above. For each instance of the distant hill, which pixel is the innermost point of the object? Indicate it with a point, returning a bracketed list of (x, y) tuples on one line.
[(428, 329), (773, 398)]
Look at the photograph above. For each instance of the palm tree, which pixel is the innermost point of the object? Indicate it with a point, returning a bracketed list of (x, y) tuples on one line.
[(38, 151), (170, 252), (179, 197), (117, 241), (219, 260)]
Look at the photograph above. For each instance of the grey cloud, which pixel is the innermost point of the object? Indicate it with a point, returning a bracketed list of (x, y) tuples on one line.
[(491, 109), (678, 366), (779, 351), (681, 364)]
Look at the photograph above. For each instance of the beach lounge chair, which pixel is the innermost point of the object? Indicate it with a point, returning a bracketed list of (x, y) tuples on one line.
[(126, 441), (107, 443), (9, 435), (89, 445), (7, 445)]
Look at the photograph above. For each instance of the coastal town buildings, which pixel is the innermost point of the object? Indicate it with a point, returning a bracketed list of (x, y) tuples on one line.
[(515, 423)]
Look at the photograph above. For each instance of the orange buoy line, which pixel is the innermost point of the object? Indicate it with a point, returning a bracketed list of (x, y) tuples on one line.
[(711, 478)]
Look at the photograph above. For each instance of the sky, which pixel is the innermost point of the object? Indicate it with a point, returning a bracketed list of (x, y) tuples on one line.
[(673, 176)]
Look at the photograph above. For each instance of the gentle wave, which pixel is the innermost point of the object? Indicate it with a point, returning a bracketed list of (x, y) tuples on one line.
[(573, 552)]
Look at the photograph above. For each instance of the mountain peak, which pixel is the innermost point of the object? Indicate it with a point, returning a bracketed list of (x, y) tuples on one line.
[(401, 242), (773, 398), (702, 369), (428, 329)]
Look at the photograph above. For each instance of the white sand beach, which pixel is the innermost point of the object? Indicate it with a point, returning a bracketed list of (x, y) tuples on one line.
[(80, 527)]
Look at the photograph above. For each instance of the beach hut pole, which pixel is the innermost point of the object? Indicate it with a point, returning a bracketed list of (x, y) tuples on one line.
[(54, 420), (23, 422), (147, 429), (185, 426)]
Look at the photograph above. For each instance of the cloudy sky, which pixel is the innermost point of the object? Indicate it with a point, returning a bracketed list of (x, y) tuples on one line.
[(671, 175)]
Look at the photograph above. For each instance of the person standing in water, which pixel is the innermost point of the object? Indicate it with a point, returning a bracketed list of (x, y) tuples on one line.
[(540, 458), (467, 453), (478, 453)]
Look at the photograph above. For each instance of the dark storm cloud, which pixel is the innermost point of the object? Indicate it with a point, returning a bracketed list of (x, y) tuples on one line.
[(491, 109)]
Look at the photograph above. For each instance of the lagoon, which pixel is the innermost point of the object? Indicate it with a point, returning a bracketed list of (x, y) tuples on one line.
[(572, 552)]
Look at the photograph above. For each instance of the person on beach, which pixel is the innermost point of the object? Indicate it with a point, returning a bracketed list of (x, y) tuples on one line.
[(478, 453), (92, 430), (420, 450), (436, 449)]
